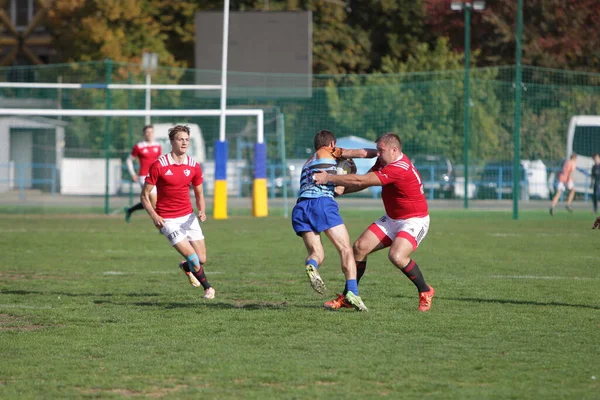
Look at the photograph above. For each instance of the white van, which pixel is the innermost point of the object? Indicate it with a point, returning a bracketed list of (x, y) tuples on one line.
[(584, 140), (197, 148)]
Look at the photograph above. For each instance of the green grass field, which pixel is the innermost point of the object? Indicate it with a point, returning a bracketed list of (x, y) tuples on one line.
[(92, 307)]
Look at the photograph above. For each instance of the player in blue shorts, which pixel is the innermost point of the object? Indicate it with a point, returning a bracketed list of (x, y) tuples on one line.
[(316, 211)]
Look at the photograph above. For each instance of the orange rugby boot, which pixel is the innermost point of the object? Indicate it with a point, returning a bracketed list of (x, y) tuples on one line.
[(425, 299), (337, 303)]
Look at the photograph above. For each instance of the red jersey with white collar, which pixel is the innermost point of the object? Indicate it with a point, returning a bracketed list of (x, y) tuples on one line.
[(402, 189), (147, 153), (173, 183)]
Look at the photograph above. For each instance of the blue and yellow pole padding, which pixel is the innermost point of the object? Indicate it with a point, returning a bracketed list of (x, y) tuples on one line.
[(260, 206), (220, 193)]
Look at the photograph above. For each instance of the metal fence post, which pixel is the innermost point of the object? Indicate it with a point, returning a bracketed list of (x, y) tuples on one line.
[(517, 133), (107, 136)]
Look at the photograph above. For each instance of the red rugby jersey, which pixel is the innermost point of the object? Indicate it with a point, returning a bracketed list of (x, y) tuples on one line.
[(173, 182), (402, 189), (146, 153)]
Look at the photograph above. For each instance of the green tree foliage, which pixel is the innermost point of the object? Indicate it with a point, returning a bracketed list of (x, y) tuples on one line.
[(118, 29), (395, 27), (338, 46), (556, 33), (425, 109)]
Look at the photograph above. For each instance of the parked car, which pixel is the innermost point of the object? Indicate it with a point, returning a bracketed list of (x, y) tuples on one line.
[(437, 175), (496, 181)]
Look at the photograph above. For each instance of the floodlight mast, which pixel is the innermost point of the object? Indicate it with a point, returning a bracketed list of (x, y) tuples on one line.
[(149, 63), (467, 6)]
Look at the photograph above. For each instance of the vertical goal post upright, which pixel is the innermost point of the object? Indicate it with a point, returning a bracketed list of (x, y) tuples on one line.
[(259, 193)]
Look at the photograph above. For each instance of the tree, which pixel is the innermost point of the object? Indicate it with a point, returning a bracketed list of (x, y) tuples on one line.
[(118, 29), (338, 47), (556, 33)]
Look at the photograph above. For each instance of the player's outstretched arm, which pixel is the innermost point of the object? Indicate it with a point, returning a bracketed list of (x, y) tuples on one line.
[(359, 153), (351, 181)]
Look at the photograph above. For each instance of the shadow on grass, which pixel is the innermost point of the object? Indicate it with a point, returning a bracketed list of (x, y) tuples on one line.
[(66, 294), (209, 304), (516, 302)]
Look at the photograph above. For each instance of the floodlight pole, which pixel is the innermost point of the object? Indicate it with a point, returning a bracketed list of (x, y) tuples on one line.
[(467, 7), (517, 132), (149, 63), (467, 10)]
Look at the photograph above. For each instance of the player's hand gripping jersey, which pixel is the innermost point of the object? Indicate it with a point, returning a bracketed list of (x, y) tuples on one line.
[(322, 160), (402, 189), (173, 182)]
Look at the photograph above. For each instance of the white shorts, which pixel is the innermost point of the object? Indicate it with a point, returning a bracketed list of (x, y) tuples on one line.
[(561, 186), (182, 228), (412, 229), (142, 180)]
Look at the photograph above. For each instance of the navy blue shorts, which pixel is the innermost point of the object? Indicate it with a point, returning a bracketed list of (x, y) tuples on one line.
[(315, 215)]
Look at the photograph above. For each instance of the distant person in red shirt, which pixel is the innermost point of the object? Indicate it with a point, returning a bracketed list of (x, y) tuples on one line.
[(146, 151), (406, 220), (172, 175), (565, 181)]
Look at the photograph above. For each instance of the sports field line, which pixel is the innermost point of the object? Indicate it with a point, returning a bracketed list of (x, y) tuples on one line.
[(577, 278)]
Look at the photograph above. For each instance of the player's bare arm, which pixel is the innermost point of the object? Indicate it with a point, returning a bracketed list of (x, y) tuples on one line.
[(353, 181), (351, 189), (359, 153), (200, 202), (129, 162), (147, 203)]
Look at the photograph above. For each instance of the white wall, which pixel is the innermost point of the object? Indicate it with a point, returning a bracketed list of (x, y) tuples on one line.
[(85, 176), (21, 156)]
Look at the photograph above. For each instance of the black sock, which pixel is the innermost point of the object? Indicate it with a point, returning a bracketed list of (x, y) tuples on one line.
[(361, 266), (412, 271), (138, 206), (201, 276)]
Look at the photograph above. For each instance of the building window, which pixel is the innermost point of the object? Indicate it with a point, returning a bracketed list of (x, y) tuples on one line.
[(21, 13)]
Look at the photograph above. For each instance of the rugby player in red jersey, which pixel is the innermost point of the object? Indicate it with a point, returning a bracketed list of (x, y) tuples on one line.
[(146, 151), (406, 220), (172, 175)]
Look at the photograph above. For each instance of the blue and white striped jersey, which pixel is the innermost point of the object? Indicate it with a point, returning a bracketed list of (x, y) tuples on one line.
[(310, 190)]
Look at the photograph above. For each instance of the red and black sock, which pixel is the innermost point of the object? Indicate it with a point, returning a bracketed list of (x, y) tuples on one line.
[(412, 271), (138, 206), (361, 266), (200, 275)]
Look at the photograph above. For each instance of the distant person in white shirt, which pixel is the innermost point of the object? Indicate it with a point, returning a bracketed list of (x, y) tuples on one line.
[(146, 151), (565, 182)]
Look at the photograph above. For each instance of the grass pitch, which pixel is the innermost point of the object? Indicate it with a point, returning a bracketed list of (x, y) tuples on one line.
[(92, 307)]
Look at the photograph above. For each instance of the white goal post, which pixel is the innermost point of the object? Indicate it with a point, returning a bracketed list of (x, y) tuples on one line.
[(259, 198)]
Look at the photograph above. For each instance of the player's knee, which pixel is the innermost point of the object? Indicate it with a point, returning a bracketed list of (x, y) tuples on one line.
[(398, 259), (359, 250)]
